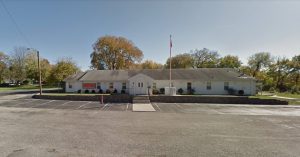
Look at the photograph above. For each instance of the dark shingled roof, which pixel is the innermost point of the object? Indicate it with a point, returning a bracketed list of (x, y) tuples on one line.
[(204, 74)]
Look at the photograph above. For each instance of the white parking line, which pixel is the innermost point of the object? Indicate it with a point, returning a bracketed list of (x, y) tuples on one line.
[(127, 106), (178, 106), (42, 103), (104, 107), (62, 104), (83, 105), (108, 107), (25, 102), (157, 106)]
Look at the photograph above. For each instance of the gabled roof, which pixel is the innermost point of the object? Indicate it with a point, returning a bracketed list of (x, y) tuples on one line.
[(75, 77), (203, 74)]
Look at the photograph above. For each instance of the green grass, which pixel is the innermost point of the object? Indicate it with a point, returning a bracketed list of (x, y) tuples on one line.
[(23, 87), (291, 102), (290, 95)]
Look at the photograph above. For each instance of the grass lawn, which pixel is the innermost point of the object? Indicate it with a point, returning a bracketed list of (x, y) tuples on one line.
[(23, 87), (290, 95), (291, 102)]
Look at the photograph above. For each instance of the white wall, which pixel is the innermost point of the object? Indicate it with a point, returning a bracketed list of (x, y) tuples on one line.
[(248, 85), (140, 78), (75, 87), (217, 87), (104, 86)]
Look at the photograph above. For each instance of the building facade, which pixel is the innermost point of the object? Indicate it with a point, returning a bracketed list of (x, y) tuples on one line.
[(204, 81)]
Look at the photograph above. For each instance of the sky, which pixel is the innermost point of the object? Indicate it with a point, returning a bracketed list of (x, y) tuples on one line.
[(68, 28)]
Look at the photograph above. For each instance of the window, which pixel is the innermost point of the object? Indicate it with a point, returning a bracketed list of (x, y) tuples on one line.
[(142, 84), (226, 85), (124, 85), (154, 85), (111, 85), (139, 85), (208, 85), (189, 86), (70, 85), (98, 85)]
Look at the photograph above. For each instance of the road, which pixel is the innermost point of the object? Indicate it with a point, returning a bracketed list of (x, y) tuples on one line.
[(173, 130)]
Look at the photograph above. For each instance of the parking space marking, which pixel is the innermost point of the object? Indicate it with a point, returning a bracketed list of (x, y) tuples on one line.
[(65, 103), (157, 106), (179, 106), (83, 105), (104, 107), (25, 102), (42, 104)]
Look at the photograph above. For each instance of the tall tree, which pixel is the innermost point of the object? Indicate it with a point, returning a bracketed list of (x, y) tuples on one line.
[(111, 52), (32, 67), (3, 66), (149, 64), (229, 62), (180, 61), (205, 58), (258, 61), (295, 69), (17, 67), (62, 69), (279, 71)]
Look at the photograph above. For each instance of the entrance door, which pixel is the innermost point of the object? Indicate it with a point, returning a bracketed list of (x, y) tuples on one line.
[(141, 88)]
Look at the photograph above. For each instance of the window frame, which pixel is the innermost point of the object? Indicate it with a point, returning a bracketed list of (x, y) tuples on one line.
[(154, 85), (111, 85), (226, 85), (124, 83), (208, 85), (189, 85)]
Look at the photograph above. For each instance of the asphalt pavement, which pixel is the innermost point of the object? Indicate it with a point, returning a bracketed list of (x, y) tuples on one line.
[(56, 128)]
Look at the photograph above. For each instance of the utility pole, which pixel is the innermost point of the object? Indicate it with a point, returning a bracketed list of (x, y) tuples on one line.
[(39, 69)]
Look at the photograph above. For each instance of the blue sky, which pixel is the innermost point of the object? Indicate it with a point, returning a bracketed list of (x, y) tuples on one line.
[(68, 28)]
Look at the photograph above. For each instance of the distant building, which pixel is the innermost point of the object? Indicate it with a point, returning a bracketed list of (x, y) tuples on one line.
[(206, 81)]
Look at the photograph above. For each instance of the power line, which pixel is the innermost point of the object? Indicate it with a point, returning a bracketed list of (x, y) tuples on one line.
[(15, 23)]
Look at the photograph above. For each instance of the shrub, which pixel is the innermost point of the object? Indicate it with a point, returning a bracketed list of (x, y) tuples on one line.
[(79, 91), (93, 91), (86, 91), (162, 90), (241, 92), (26, 82), (180, 91), (123, 91), (295, 90), (191, 91), (115, 91), (155, 92), (231, 91), (272, 90), (108, 91), (100, 91)]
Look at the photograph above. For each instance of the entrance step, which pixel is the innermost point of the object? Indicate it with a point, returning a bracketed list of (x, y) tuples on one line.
[(143, 108), (141, 100)]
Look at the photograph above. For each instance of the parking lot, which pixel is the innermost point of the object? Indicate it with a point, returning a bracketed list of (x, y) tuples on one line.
[(50, 128), (28, 102), (65, 104)]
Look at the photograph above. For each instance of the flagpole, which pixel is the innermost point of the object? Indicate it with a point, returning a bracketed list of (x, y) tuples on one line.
[(170, 63)]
